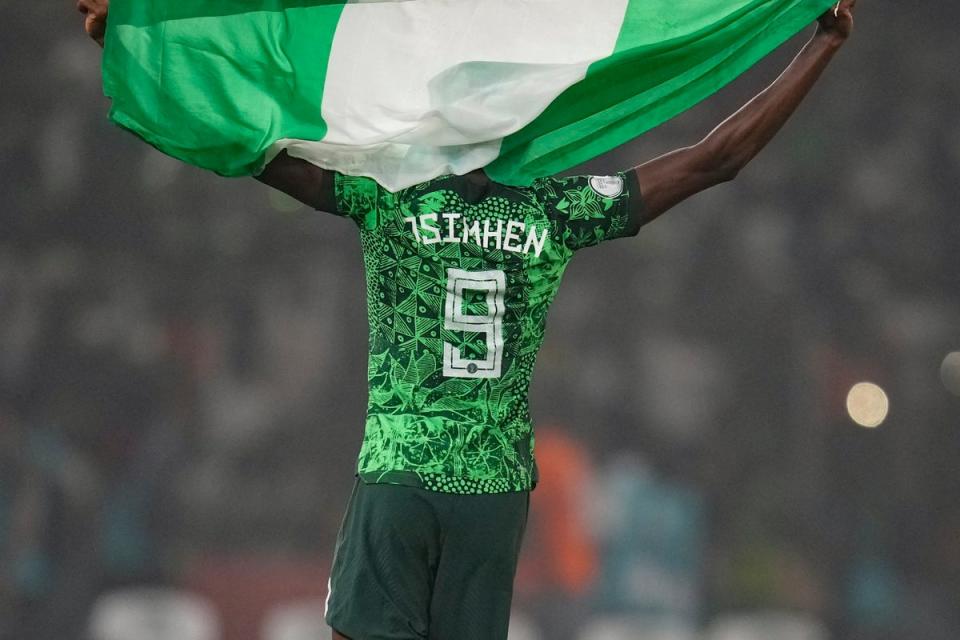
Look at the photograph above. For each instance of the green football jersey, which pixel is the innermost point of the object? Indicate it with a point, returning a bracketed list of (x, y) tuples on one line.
[(460, 273)]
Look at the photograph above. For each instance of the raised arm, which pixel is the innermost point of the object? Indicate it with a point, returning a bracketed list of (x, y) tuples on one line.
[(671, 178), (302, 180)]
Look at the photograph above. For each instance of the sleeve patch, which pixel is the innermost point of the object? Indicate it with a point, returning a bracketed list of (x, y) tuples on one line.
[(607, 186)]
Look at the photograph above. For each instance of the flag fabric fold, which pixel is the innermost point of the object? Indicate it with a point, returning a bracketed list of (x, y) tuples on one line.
[(407, 90)]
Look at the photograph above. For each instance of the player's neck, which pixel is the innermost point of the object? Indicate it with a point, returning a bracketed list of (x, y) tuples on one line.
[(478, 176)]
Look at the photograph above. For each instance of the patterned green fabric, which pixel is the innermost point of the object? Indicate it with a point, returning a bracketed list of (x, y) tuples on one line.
[(460, 274)]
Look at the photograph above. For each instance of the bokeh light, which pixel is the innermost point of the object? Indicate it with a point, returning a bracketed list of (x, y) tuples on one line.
[(867, 404), (950, 372)]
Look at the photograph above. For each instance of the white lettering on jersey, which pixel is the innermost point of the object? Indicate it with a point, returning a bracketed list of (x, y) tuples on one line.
[(514, 236), (434, 232), (451, 219), (489, 234), (534, 242)]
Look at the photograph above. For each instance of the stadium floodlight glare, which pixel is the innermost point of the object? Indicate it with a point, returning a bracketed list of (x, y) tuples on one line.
[(950, 372), (867, 404)]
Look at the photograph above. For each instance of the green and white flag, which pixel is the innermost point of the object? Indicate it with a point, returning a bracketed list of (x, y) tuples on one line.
[(407, 90)]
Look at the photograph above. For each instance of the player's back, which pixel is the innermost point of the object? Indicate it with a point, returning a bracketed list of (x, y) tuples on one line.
[(460, 274)]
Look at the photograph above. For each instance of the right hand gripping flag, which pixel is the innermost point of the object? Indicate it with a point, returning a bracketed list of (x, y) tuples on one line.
[(408, 90)]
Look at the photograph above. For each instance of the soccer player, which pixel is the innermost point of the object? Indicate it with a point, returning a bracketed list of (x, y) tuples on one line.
[(460, 273)]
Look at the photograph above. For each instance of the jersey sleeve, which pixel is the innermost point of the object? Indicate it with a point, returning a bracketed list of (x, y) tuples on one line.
[(592, 209), (359, 198)]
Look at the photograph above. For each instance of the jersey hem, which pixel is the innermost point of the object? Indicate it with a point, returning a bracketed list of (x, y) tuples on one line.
[(441, 483)]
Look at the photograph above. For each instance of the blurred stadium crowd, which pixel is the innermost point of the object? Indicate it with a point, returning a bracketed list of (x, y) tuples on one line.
[(182, 375)]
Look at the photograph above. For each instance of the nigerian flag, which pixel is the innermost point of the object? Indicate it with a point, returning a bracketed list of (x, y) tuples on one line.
[(407, 90)]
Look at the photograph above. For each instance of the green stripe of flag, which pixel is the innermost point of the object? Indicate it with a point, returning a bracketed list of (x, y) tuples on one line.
[(670, 56), (172, 71)]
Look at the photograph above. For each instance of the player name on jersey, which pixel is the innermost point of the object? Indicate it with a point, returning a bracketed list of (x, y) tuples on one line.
[(510, 235)]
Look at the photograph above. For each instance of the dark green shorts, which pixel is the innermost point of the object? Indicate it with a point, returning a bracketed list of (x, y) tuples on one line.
[(412, 564)]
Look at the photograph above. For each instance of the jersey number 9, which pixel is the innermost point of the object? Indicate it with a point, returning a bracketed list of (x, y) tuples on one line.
[(494, 284)]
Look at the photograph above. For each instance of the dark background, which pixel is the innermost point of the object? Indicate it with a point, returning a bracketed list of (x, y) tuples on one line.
[(182, 371)]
